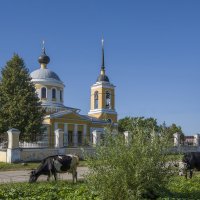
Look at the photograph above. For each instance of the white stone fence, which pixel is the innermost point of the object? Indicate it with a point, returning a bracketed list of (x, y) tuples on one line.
[(23, 152), (16, 153)]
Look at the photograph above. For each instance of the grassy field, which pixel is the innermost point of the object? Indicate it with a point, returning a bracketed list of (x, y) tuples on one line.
[(26, 166), (178, 188), (46, 190)]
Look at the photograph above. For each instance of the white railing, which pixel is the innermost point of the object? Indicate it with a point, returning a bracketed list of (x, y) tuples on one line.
[(4, 145), (33, 144)]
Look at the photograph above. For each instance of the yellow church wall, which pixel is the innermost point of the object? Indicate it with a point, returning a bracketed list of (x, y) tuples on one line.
[(71, 127), (61, 126), (105, 116), (80, 128), (46, 121), (102, 97)]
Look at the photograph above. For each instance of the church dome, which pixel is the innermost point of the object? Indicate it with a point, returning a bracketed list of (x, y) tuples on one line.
[(44, 74), (44, 59), (102, 77)]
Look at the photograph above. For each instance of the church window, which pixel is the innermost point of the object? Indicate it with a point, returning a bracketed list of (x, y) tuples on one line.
[(44, 93), (53, 93), (96, 97), (108, 101), (61, 95)]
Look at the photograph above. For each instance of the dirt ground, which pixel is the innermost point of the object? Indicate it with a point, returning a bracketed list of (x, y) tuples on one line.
[(23, 176)]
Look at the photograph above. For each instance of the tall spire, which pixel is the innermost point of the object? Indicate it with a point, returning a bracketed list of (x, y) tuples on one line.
[(102, 65), (102, 76)]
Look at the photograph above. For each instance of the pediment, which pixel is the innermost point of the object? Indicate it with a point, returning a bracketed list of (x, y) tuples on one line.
[(68, 115)]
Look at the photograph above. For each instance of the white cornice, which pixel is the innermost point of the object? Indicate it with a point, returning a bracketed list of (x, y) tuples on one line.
[(103, 85), (95, 111), (48, 82)]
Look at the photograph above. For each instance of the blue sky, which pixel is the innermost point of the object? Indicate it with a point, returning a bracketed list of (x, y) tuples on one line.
[(152, 51)]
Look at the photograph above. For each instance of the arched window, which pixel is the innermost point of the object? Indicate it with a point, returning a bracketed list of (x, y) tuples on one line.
[(61, 95), (96, 97), (44, 93), (53, 93), (108, 102)]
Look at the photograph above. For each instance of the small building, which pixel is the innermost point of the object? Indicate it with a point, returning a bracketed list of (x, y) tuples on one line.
[(189, 140), (77, 128)]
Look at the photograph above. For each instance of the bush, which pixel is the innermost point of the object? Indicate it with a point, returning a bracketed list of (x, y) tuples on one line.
[(130, 171)]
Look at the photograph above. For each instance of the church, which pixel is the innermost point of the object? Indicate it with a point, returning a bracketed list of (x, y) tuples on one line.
[(78, 128)]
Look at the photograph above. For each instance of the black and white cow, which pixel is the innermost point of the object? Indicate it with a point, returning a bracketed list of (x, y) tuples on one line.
[(56, 164), (191, 161)]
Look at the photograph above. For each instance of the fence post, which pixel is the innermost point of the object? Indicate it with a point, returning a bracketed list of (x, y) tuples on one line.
[(127, 136), (59, 138), (96, 137), (177, 139), (196, 139), (13, 151)]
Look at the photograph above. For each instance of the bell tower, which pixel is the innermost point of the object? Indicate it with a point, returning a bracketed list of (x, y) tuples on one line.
[(102, 100)]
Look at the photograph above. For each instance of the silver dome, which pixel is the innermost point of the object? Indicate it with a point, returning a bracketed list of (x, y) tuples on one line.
[(44, 74)]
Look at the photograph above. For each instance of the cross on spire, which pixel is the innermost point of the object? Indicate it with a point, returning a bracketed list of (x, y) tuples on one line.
[(43, 47)]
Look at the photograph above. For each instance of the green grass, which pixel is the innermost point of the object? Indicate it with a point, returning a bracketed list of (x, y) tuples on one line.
[(178, 188), (26, 166), (46, 190)]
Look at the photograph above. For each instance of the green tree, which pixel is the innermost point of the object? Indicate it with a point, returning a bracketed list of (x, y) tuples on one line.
[(132, 123), (20, 106), (136, 170), (170, 130)]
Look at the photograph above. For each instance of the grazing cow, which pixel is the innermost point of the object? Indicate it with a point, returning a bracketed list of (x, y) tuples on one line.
[(191, 161), (56, 164)]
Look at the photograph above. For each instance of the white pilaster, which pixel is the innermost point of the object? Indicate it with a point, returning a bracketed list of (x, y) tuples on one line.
[(58, 95), (75, 135), (65, 134), (49, 95), (176, 139)]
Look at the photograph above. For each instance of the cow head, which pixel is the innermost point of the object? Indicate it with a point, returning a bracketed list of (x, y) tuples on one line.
[(33, 177)]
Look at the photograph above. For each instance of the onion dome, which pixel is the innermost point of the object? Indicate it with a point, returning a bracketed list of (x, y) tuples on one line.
[(44, 59), (44, 74)]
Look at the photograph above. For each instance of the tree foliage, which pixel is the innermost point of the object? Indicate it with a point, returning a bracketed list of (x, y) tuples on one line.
[(136, 170), (147, 124), (20, 106), (132, 123)]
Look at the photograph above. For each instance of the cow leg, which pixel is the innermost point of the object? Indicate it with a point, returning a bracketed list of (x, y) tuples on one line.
[(55, 176), (191, 173), (48, 177), (74, 175), (186, 173)]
